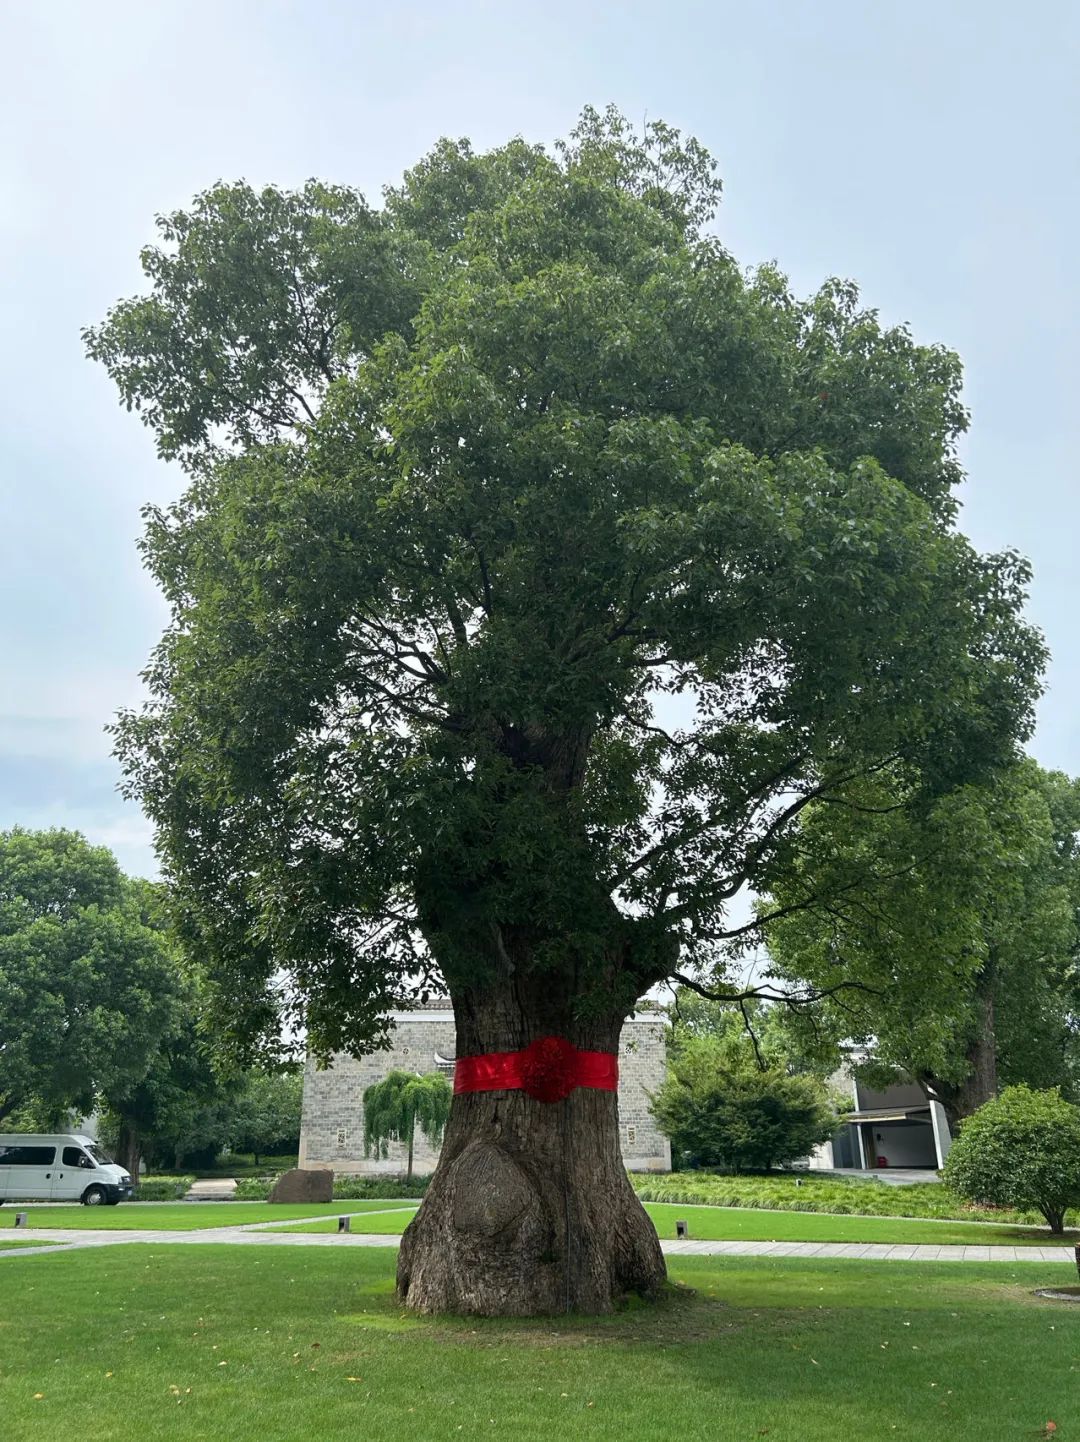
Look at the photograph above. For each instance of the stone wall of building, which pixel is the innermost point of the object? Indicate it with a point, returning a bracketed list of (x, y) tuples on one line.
[(332, 1128)]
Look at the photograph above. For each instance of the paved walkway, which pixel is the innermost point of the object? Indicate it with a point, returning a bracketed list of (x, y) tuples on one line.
[(261, 1234)]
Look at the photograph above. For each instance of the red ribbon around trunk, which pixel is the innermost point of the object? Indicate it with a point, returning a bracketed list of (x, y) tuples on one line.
[(548, 1069)]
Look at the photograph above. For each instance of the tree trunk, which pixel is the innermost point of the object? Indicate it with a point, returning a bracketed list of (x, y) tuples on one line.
[(1055, 1220), (129, 1149), (980, 1085), (530, 1211)]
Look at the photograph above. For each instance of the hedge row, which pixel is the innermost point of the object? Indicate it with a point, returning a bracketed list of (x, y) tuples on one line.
[(346, 1189), (807, 1193), (162, 1189)]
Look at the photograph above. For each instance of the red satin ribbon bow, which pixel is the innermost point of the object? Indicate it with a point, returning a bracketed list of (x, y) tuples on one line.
[(548, 1069)]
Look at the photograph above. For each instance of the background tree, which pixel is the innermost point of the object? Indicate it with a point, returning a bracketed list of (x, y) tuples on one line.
[(266, 1114), (1022, 1149), (957, 928), (177, 1113), (397, 1105), (88, 981), (193, 1103), (538, 568), (755, 1030), (721, 1107)]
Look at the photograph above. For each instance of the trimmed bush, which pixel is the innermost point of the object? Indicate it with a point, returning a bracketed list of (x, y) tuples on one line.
[(1020, 1150), (810, 1192), (358, 1189), (162, 1189), (346, 1189), (253, 1189)]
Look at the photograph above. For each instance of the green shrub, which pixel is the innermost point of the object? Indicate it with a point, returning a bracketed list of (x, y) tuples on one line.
[(355, 1189), (1020, 1150), (809, 1192), (719, 1108), (346, 1189), (162, 1189), (253, 1189)]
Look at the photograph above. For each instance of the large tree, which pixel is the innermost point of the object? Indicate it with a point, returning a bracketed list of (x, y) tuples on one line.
[(88, 981), (955, 927), (538, 567)]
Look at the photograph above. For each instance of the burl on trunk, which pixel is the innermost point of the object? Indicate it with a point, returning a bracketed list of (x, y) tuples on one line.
[(530, 1211)]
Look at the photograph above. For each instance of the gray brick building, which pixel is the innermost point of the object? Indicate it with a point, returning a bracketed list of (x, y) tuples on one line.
[(332, 1127)]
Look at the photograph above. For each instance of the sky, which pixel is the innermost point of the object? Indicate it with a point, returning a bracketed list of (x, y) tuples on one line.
[(930, 151)]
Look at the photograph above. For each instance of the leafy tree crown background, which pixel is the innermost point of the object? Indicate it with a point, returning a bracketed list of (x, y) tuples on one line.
[(538, 566)]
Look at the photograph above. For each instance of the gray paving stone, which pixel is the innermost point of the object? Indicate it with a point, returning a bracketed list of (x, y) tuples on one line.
[(256, 1234)]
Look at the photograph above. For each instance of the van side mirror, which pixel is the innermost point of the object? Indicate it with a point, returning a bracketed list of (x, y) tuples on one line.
[(84, 1161)]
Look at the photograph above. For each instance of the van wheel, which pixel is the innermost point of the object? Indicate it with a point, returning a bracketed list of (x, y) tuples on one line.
[(94, 1197)]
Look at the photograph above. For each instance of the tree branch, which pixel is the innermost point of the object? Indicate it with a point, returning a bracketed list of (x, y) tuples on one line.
[(757, 993)]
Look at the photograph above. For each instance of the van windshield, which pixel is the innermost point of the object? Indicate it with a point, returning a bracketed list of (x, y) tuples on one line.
[(99, 1155)]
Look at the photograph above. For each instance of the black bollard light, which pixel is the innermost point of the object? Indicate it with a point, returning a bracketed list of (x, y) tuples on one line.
[(343, 1224), (21, 1219), (682, 1230)]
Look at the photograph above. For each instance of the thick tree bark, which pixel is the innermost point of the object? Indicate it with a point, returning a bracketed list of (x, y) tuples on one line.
[(980, 1085), (129, 1149), (530, 1211)]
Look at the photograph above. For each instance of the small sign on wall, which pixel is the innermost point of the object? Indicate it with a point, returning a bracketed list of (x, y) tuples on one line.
[(342, 1139)]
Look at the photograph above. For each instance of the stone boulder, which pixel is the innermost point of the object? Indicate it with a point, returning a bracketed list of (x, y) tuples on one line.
[(304, 1184)]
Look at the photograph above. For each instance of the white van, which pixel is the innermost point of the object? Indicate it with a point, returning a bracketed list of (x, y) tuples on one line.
[(62, 1168)]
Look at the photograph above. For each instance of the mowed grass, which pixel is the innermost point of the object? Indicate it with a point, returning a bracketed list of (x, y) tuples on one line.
[(280, 1344), (7, 1243), (867, 1196), (731, 1225), (180, 1216), (707, 1223)]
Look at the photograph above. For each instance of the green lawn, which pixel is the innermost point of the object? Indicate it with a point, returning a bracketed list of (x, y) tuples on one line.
[(389, 1217), (811, 1192), (6, 1243), (730, 1224), (389, 1223), (277, 1345), (183, 1216)]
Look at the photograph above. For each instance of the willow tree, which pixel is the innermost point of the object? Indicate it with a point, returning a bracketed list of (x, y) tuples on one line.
[(397, 1105), (538, 567)]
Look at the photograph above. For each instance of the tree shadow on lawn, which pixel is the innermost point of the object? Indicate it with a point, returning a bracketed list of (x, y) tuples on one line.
[(717, 1297)]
